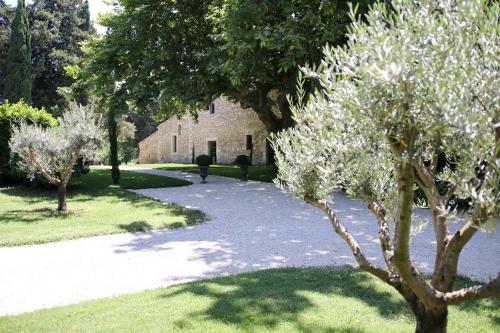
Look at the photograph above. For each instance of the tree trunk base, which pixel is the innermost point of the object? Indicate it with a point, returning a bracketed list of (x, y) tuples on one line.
[(61, 197), (431, 321)]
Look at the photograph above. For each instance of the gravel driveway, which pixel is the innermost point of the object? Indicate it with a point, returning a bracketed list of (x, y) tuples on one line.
[(251, 226)]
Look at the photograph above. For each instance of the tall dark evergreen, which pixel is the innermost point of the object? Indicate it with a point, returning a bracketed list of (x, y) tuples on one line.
[(6, 16), (59, 28), (84, 16), (18, 81)]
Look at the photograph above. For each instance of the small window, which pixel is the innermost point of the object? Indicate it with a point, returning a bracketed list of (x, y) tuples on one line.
[(212, 108), (179, 130), (248, 142), (174, 144)]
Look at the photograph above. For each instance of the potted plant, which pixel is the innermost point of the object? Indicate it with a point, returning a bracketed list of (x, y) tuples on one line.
[(243, 161), (203, 161)]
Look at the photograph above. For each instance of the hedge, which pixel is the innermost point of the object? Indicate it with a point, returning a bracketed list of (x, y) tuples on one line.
[(11, 115)]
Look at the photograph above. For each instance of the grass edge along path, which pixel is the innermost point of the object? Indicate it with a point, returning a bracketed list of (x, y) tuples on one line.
[(95, 207), (278, 300)]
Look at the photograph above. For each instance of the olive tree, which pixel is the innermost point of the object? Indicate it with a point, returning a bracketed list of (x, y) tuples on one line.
[(54, 151), (415, 82)]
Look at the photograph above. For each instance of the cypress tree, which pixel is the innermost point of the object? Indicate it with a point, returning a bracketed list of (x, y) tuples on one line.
[(18, 80), (6, 16), (84, 16)]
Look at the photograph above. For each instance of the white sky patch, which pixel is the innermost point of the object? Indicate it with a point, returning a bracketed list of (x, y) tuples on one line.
[(96, 7)]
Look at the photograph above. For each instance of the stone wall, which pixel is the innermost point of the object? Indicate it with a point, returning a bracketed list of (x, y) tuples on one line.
[(148, 149), (228, 126)]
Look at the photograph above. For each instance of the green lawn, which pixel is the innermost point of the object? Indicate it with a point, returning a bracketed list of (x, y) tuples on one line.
[(95, 207), (263, 173), (285, 300)]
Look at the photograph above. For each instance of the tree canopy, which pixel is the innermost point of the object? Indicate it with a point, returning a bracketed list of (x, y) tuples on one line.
[(412, 84), (182, 54)]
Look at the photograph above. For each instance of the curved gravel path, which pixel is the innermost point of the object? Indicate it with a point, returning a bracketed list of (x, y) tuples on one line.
[(251, 226)]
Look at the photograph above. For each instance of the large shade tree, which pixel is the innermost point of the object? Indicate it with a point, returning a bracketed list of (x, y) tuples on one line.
[(411, 85), (182, 54)]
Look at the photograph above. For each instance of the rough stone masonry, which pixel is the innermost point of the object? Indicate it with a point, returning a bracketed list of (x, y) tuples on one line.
[(224, 132)]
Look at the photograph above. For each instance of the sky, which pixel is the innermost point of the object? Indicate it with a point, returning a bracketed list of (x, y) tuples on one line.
[(96, 7)]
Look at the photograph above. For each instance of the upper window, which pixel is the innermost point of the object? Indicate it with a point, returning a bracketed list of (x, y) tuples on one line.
[(179, 130), (212, 108), (248, 142), (174, 144)]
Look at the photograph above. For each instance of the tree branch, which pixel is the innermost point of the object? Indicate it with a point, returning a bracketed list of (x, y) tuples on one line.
[(401, 259), (363, 263), (459, 239), (492, 289), (383, 228), (52, 180)]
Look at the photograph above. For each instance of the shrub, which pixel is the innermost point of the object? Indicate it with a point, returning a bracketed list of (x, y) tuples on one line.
[(243, 160), (12, 115), (203, 160)]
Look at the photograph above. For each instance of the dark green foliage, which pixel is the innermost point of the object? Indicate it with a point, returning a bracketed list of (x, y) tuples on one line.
[(6, 16), (59, 27), (243, 160), (128, 150), (18, 68), (10, 115), (203, 160), (84, 16)]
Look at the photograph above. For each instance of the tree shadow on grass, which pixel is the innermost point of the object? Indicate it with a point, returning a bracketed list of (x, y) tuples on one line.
[(33, 215), (138, 226), (265, 300)]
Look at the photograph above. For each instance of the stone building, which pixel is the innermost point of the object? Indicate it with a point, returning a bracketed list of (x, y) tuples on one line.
[(223, 132)]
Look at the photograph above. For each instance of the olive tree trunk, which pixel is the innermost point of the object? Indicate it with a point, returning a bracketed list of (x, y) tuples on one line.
[(429, 321), (61, 197)]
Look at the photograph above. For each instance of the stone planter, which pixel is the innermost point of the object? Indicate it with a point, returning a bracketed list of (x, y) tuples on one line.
[(203, 173), (244, 172)]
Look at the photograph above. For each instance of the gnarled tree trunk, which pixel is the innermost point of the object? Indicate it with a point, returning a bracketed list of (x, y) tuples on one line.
[(61, 197), (429, 320)]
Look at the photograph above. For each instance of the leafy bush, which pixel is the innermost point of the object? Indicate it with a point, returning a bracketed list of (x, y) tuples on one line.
[(243, 160), (12, 115), (203, 160)]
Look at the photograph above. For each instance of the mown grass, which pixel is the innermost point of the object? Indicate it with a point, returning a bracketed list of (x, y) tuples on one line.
[(263, 173), (285, 300), (95, 207)]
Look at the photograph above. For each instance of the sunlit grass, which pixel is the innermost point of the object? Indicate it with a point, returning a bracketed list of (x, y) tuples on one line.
[(285, 300), (95, 207)]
